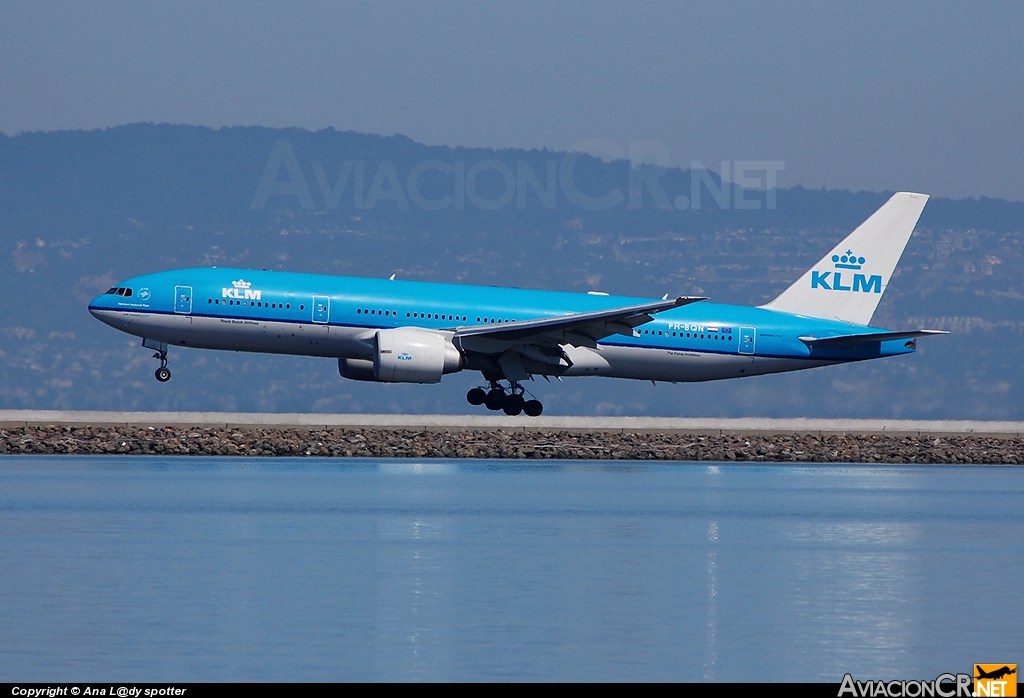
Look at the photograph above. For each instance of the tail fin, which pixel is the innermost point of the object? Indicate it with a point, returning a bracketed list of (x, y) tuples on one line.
[(847, 283)]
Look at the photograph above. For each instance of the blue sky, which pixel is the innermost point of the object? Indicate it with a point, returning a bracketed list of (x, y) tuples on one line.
[(925, 96)]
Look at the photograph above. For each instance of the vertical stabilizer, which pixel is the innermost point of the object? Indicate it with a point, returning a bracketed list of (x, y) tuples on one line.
[(848, 282)]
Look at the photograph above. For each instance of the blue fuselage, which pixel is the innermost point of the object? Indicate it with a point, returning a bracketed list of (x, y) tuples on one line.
[(330, 316)]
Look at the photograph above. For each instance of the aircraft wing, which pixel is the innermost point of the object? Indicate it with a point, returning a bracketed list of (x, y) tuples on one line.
[(869, 337), (578, 329)]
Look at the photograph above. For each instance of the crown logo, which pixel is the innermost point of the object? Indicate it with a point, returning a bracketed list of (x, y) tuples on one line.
[(246, 284), (848, 260)]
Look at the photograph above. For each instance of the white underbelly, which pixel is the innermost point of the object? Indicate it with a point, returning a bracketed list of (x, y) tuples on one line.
[(675, 365), (242, 334)]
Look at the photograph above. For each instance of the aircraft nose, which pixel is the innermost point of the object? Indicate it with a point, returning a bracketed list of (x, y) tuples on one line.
[(97, 305)]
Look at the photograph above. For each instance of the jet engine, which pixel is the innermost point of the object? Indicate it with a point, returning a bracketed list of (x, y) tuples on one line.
[(405, 355), (410, 355)]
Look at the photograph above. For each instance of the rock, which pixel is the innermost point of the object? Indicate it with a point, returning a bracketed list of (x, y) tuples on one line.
[(370, 443)]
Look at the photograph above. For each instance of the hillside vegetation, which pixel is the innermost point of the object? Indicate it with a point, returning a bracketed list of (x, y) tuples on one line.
[(80, 211)]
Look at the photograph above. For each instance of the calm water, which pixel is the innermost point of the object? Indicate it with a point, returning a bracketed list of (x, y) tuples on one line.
[(156, 569)]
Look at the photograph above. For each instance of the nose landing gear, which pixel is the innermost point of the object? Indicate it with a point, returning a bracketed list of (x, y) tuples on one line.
[(509, 400), (163, 374)]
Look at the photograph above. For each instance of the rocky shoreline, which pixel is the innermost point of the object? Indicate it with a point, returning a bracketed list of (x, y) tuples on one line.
[(487, 443)]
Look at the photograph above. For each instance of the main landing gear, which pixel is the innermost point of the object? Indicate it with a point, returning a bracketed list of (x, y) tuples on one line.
[(509, 400)]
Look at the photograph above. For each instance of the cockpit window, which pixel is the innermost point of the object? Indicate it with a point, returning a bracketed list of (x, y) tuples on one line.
[(120, 291), (127, 293), (112, 291)]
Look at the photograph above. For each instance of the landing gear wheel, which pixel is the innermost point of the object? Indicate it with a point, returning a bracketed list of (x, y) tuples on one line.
[(495, 399), (163, 374), (476, 396), (533, 408), (513, 405)]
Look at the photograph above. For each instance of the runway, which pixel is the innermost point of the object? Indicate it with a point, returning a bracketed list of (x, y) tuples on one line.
[(465, 422)]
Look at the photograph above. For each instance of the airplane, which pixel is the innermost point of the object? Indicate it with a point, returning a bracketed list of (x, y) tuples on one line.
[(394, 331), (994, 674)]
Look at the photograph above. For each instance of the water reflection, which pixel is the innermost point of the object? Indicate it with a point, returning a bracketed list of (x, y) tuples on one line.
[(428, 468), (854, 593), (333, 570), (712, 621), (413, 572)]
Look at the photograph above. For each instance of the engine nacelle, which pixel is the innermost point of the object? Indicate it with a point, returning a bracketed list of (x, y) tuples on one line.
[(356, 369), (411, 355)]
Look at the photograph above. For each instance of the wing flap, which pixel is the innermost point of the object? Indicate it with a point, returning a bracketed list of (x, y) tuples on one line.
[(580, 329)]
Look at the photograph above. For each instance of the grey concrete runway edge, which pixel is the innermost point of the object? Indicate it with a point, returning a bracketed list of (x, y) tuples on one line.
[(458, 422), (465, 436)]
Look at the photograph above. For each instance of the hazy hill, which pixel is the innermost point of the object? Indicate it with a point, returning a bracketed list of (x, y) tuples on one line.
[(81, 210)]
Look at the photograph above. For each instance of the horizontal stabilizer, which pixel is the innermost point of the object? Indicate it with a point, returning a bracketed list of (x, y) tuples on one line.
[(846, 339)]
